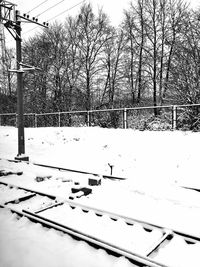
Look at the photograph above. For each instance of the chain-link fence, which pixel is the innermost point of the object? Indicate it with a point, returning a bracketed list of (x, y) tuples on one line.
[(182, 117), (145, 118), (113, 118), (188, 117), (8, 119)]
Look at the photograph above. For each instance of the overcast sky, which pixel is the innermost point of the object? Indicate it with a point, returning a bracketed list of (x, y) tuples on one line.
[(51, 10)]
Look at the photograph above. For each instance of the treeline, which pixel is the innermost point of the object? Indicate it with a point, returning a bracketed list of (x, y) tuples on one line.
[(152, 58)]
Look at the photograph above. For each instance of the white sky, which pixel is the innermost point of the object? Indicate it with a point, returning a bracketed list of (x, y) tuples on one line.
[(114, 8)]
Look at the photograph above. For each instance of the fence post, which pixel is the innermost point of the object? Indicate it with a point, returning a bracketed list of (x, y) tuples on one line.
[(174, 117), (35, 120), (125, 118), (58, 119), (88, 118), (16, 119)]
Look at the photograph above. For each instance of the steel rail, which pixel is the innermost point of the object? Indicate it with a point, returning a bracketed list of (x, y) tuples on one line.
[(85, 208), (105, 176), (112, 215), (20, 199), (29, 190), (129, 220), (79, 171), (112, 248), (97, 211), (168, 234)]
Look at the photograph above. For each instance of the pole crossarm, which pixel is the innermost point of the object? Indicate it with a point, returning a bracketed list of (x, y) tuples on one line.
[(12, 19), (29, 67), (24, 67), (25, 18)]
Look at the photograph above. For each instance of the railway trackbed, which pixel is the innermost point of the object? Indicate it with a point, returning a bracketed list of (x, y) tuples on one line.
[(142, 243), (105, 176)]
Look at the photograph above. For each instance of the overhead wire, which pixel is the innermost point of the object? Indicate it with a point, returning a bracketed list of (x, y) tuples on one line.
[(68, 9), (37, 6), (49, 8), (45, 9)]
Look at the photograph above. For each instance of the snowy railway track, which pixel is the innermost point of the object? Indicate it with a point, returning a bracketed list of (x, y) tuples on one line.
[(67, 169), (139, 241)]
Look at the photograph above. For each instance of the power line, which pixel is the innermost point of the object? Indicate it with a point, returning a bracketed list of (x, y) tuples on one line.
[(66, 10), (38, 6), (58, 15), (50, 8)]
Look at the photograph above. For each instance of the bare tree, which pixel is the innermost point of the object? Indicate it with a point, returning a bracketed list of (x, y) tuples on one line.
[(134, 29), (177, 11), (93, 33), (152, 32), (36, 52), (185, 70), (6, 77), (73, 64), (112, 62), (87, 63)]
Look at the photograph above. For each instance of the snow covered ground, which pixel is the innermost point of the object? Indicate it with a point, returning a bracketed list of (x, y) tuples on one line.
[(156, 165), (162, 156)]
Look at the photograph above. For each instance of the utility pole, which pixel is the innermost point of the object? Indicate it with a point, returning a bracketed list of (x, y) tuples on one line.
[(12, 21), (20, 104)]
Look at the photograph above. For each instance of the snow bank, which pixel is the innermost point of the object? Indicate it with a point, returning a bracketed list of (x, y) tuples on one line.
[(146, 156)]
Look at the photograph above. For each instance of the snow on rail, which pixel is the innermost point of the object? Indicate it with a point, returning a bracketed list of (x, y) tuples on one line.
[(140, 242), (66, 169)]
